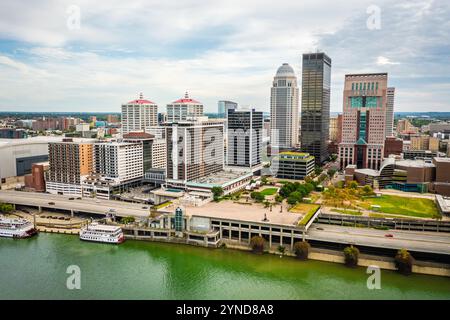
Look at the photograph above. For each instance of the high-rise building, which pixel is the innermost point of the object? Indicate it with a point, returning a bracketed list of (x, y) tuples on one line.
[(184, 109), (224, 106), (284, 108), (194, 150), (364, 120), (315, 113), (406, 127), (121, 161), (390, 94), (139, 115), (154, 149), (245, 135), (69, 162)]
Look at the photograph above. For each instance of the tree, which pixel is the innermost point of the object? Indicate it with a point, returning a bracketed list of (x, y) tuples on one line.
[(331, 172), (367, 190), (404, 261), (217, 192), (257, 244), (353, 185), (278, 198), (317, 170), (127, 220), (351, 255), (264, 180), (301, 249), (281, 249), (6, 207), (294, 197), (257, 196)]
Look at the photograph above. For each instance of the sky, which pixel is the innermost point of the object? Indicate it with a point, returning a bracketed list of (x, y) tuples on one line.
[(58, 55)]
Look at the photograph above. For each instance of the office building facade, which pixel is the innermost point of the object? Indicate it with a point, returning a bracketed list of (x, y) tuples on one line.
[(223, 106), (315, 112), (284, 108), (390, 96), (364, 120), (245, 135)]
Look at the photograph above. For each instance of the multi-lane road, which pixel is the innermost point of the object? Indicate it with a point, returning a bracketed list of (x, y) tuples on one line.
[(432, 242), (59, 202)]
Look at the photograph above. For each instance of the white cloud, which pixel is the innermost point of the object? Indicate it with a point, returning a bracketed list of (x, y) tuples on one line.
[(381, 61)]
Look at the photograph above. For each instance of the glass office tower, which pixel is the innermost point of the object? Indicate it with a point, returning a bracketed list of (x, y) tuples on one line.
[(315, 112)]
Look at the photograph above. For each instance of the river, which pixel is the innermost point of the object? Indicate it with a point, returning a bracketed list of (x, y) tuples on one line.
[(36, 269)]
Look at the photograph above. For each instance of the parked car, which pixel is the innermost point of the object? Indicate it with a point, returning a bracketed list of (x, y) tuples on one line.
[(389, 235), (71, 198), (51, 203), (319, 228)]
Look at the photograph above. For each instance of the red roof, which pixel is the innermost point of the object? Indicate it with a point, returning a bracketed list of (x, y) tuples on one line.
[(141, 101), (186, 99), (189, 100)]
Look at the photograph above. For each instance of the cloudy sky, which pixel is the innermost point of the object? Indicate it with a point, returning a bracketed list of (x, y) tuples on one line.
[(92, 56)]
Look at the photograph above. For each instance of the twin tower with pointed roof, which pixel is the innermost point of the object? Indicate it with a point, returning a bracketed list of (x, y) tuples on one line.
[(139, 114)]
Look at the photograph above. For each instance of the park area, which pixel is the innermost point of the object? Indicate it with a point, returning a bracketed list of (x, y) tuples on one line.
[(405, 206), (306, 209)]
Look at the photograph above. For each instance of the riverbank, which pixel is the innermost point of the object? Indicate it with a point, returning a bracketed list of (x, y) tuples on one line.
[(386, 263), (36, 268)]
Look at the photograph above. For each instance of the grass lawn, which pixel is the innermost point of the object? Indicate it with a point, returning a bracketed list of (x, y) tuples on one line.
[(413, 207), (269, 191), (307, 209)]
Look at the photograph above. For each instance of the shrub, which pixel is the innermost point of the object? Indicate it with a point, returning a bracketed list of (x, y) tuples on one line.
[(6, 207), (257, 244), (257, 196), (301, 249), (351, 255), (281, 249), (404, 261), (278, 198)]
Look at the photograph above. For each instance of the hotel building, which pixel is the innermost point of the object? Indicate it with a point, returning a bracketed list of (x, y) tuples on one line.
[(69, 162), (139, 115), (184, 109), (194, 150)]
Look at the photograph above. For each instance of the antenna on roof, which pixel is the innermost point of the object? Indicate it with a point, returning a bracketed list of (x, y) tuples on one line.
[(186, 95), (141, 96)]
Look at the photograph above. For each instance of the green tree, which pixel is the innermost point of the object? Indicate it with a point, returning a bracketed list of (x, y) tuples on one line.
[(257, 196), (301, 249), (353, 185), (6, 207), (264, 180), (127, 220), (257, 244), (217, 192), (367, 190), (351, 255), (278, 198), (281, 249), (404, 261), (331, 172)]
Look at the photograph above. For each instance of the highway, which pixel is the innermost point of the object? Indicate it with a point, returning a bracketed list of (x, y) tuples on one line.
[(121, 209), (432, 242)]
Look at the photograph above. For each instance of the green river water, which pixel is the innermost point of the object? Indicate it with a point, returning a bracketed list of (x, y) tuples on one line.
[(36, 269)]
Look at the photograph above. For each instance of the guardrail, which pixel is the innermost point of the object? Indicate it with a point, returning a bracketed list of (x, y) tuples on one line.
[(390, 223)]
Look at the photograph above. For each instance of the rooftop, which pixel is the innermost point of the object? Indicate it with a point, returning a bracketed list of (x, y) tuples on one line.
[(220, 178), (414, 163), (186, 100), (285, 71), (141, 100), (242, 212)]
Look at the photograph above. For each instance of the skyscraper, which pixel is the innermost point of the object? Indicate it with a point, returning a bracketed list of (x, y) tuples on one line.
[(315, 113), (184, 108), (139, 115), (245, 133), (284, 108), (224, 106), (364, 120), (390, 112)]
